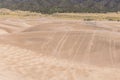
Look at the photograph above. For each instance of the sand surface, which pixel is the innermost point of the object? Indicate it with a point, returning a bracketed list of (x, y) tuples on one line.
[(56, 49)]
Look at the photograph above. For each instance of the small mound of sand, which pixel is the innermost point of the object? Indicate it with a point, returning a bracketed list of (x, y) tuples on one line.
[(3, 32)]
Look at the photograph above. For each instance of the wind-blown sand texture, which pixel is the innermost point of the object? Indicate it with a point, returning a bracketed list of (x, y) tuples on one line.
[(56, 49)]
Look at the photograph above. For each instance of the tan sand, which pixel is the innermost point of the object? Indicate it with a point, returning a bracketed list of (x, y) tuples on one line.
[(22, 64), (56, 49)]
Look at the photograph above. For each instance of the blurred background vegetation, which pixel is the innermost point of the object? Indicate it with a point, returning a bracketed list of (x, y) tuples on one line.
[(62, 6)]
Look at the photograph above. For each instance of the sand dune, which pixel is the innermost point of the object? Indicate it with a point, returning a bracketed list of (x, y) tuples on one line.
[(50, 49), (22, 64)]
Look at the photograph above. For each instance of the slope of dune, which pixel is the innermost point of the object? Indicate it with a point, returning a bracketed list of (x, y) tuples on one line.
[(90, 42), (22, 64), (56, 49)]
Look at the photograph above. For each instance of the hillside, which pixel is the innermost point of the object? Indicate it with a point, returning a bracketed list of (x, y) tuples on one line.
[(50, 48), (51, 6)]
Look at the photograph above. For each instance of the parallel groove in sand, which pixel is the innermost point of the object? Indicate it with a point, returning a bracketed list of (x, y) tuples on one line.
[(87, 51), (27, 65)]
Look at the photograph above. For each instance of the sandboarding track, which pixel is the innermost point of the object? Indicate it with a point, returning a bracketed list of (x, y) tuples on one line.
[(59, 50), (17, 63), (91, 47)]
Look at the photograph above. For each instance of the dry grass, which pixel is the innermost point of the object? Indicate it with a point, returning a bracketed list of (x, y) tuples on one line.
[(89, 16), (18, 13), (79, 16)]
